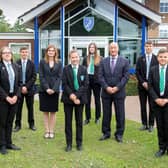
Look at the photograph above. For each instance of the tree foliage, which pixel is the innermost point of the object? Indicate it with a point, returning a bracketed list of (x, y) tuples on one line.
[(6, 27)]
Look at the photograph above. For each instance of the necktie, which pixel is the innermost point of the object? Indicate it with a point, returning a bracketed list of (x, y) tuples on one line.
[(112, 65), (147, 66), (76, 84), (11, 77), (91, 65), (24, 72), (162, 80)]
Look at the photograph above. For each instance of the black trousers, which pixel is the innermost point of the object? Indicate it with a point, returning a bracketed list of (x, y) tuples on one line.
[(68, 109), (143, 98), (29, 105), (7, 114), (162, 126), (119, 108), (96, 88)]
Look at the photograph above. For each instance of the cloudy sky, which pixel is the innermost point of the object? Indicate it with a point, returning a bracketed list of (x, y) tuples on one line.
[(14, 8)]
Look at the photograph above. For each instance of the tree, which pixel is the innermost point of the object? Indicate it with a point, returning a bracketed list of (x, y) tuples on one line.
[(4, 25), (18, 28)]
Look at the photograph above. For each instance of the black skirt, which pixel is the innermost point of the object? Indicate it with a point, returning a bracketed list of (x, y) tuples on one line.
[(48, 103)]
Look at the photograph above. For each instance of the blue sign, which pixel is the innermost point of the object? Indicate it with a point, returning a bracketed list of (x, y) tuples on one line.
[(88, 23)]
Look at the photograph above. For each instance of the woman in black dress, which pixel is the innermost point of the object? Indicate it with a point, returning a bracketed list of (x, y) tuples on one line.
[(50, 77)]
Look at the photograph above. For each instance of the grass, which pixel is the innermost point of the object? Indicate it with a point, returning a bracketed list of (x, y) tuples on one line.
[(137, 150)]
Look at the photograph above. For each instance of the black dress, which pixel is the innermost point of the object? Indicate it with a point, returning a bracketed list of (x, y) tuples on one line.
[(49, 78)]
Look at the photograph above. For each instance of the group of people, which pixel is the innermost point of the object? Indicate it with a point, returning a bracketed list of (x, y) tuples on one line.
[(105, 77)]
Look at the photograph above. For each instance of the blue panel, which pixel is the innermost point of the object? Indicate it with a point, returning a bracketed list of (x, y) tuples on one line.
[(36, 43), (62, 52), (115, 29), (144, 35)]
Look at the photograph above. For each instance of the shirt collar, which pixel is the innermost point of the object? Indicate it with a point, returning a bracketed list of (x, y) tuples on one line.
[(160, 66), (75, 66), (6, 63)]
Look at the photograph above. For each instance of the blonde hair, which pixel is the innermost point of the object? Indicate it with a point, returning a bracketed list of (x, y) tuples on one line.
[(46, 57), (97, 57), (1, 51)]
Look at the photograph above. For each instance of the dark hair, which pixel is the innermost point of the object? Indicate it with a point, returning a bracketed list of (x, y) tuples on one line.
[(23, 48), (148, 42), (162, 50)]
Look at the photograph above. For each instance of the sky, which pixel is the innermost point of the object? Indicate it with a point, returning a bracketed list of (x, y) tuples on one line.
[(15, 8)]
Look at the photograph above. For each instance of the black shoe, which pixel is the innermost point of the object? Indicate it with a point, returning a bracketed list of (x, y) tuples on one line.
[(97, 121), (104, 137), (79, 147), (33, 128), (68, 148), (13, 147), (86, 122), (160, 153), (3, 150), (143, 128), (16, 129), (150, 128), (119, 139)]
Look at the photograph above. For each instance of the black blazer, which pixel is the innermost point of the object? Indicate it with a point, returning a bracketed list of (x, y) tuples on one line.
[(141, 69), (50, 78), (30, 76), (4, 81), (154, 89), (119, 77), (96, 70), (68, 85)]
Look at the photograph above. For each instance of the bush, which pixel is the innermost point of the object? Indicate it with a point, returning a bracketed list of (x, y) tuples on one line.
[(131, 87)]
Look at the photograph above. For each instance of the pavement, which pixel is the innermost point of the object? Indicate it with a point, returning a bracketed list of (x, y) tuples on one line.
[(132, 108)]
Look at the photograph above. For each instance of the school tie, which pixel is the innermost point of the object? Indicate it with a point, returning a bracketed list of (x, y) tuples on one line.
[(76, 84), (112, 65), (91, 65), (11, 77), (147, 66), (24, 72), (162, 80)]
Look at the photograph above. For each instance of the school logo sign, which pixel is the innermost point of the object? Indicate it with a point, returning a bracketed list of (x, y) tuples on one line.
[(88, 23)]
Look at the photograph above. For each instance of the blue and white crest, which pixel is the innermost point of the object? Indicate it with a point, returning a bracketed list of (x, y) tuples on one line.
[(88, 23)]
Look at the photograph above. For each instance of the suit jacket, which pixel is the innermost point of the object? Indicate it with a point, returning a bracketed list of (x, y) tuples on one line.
[(30, 76), (96, 70), (141, 69), (154, 80), (4, 81), (68, 85), (119, 77), (50, 77)]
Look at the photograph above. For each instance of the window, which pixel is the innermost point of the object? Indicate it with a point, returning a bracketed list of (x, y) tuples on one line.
[(163, 6), (163, 31)]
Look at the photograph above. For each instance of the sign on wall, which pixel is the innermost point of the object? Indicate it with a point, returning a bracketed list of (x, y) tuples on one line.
[(88, 23)]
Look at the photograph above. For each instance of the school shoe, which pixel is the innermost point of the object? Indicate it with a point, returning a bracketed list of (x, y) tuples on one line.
[(143, 128), (68, 148), (13, 147), (3, 150), (160, 153), (150, 128), (17, 128), (86, 122)]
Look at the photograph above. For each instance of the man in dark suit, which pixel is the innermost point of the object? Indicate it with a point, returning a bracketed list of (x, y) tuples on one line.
[(113, 76), (158, 89), (143, 66), (28, 79), (74, 83)]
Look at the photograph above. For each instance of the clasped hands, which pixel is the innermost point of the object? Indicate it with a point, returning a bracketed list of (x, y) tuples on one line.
[(112, 90), (74, 98), (11, 100), (50, 91), (161, 101)]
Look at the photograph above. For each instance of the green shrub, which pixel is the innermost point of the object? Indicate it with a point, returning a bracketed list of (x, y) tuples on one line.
[(131, 87)]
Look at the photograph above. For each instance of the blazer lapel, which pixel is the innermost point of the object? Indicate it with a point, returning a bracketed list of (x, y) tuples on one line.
[(71, 75)]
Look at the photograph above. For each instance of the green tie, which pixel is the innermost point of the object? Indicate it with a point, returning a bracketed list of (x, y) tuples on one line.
[(76, 84), (162, 79), (92, 65)]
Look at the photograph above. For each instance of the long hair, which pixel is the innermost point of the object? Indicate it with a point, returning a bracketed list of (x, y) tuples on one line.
[(97, 57), (1, 51), (46, 57)]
